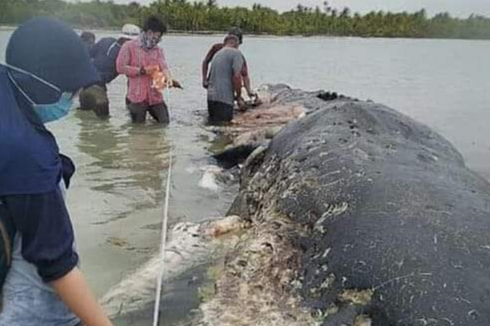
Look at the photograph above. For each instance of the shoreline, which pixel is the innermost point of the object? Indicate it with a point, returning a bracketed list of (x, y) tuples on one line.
[(261, 35)]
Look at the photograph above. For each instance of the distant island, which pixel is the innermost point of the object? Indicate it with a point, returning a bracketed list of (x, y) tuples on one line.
[(186, 16)]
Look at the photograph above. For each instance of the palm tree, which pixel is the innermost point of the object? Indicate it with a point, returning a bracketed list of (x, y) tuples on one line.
[(198, 15)]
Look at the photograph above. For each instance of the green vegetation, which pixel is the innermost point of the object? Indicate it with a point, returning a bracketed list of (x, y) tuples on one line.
[(188, 16)]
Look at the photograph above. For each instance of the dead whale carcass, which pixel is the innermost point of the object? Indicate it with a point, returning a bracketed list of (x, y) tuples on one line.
[(189, 246), (361, 215)]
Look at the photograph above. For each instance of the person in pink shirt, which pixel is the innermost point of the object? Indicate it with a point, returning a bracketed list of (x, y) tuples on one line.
[(139, 60)]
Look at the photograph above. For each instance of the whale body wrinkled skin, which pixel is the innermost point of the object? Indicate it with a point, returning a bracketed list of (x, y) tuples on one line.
[(361, 216)]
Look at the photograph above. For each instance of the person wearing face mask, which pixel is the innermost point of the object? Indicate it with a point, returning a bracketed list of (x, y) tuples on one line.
[(43, 285), (139, 60)]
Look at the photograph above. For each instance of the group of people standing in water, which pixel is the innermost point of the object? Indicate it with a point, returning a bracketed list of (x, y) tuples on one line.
[(138, 56), (47, 66)]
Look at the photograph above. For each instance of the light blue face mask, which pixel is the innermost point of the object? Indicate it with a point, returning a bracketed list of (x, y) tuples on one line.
[(55, 111), (46, 112)]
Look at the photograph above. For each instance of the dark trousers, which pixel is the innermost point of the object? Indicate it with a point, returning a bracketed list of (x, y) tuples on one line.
[(138, 111), (219, 112)]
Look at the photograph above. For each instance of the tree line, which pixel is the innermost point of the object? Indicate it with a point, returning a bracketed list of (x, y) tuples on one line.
[(183, 15)]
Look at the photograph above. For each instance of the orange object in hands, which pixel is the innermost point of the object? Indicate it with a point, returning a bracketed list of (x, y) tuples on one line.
[(159, 81), (158, 77), (150, 70)]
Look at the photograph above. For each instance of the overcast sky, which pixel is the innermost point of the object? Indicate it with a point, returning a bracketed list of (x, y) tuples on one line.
[(455, 7)]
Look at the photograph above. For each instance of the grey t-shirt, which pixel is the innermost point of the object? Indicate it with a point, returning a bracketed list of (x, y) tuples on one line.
[(226, 63)]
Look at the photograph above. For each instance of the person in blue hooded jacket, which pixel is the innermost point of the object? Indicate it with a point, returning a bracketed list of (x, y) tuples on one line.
[(46, 66), (104, 54)]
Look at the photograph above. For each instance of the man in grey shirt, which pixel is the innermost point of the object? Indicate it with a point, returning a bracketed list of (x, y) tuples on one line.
[(225, 82)]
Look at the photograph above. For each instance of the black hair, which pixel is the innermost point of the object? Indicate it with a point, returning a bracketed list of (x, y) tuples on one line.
[(87, 36), (231, 37), (237, 31), (154, 24)]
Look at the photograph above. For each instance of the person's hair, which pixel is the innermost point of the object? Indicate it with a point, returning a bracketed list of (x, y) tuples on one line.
[(154, 24), (87, 37), (237, 31), (232, 39)]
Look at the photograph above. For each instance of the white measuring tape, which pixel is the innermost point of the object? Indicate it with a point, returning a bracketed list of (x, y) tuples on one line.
[(163, 243)]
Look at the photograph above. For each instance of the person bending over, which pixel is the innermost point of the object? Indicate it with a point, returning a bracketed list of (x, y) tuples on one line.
[(104, 54), (225, 82), (215, 49)]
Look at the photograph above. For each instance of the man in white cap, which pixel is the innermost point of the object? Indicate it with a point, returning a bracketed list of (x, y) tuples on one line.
[(104, 54)]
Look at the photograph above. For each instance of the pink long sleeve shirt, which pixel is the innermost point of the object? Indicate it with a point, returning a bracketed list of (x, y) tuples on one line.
[(129, 62)]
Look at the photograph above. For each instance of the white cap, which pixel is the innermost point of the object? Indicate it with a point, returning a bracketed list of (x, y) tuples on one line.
[(130, 31)]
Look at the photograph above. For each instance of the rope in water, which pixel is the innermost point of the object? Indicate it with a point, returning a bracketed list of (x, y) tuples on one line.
[(163, 243)]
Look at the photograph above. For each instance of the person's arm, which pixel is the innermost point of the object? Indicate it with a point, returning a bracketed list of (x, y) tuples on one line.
[(247, 85), (123, 61), (237, 65), (47, 242), (237, 85), (75, 293), (246, 79), (205, 65)]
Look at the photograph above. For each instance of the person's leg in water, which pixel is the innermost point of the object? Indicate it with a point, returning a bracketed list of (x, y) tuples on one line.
[(95, 98), (87, 99), (137, 111), (159, 112), (219, 113), (102, 107)]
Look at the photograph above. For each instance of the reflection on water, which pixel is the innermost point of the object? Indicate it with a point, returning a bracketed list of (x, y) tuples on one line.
[(128, 160)]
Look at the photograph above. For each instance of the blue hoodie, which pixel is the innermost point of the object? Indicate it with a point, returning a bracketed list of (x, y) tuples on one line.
[(31, 168), (104, 54)]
